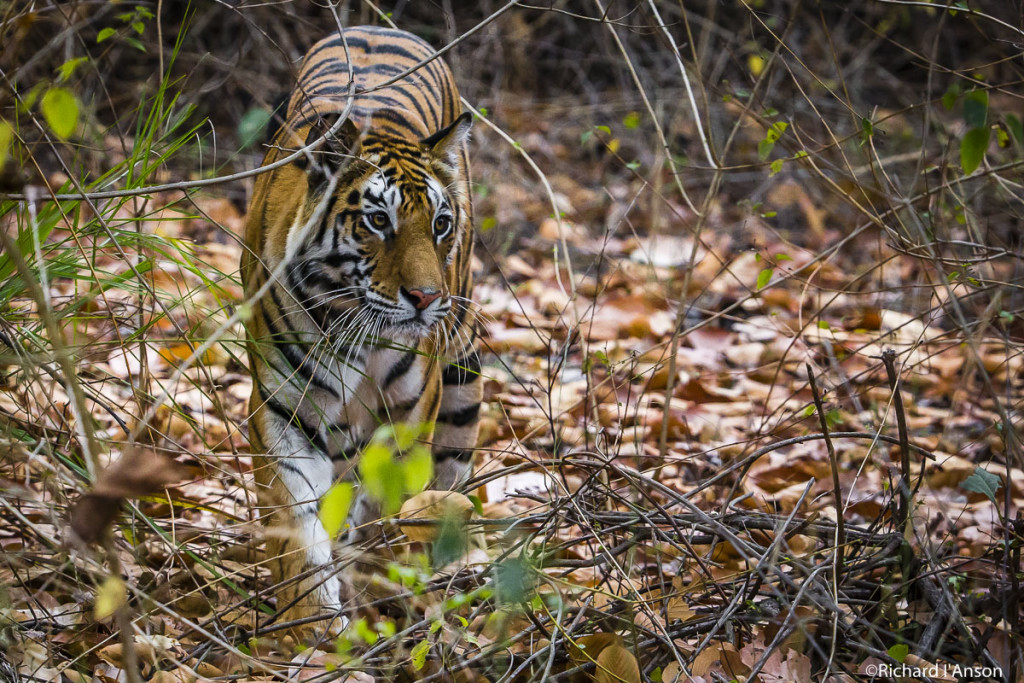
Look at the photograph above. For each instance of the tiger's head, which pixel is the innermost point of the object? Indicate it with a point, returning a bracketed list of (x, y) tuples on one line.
[(371, 254)]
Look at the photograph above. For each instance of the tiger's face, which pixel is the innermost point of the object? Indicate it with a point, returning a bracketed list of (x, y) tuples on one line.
[(376, 263)]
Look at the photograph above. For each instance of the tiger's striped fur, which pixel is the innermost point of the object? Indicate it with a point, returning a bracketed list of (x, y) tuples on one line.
[(369, 320)]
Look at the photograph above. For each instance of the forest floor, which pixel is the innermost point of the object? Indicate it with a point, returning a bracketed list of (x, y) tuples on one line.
[(689, 384)]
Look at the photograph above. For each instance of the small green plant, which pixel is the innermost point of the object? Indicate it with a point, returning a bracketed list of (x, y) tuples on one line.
[(387, 479)]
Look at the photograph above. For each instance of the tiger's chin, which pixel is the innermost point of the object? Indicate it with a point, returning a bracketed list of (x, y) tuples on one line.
[(410, 331)]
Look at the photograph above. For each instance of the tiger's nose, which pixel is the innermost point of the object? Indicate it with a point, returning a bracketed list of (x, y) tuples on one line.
[(419, 298)]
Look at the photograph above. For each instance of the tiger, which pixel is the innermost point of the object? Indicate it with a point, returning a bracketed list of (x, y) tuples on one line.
[(357, 272)]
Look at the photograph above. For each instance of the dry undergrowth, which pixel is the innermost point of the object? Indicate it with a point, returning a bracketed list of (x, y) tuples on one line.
[(698, 362)]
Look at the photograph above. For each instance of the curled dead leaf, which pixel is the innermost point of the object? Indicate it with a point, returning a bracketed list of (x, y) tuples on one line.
[(137, 473), (436, 506)]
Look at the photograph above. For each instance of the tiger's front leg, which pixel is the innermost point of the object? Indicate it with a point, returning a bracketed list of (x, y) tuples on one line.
[(457, 424), (291, 478)]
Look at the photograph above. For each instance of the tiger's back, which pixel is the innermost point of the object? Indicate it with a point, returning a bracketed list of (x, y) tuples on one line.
[(358, 261)]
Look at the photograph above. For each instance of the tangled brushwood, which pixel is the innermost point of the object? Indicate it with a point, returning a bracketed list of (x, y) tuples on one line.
[(746, 284)]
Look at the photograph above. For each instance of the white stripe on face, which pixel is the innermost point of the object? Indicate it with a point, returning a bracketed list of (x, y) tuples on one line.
[(380, 196), (440, 205)]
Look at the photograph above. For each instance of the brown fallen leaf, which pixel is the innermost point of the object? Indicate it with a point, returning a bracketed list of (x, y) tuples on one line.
[(616, 664), (589, 648), (725, 655), (137, 473)]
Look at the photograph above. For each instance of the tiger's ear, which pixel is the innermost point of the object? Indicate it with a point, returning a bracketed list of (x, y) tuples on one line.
[(334, 152), (446, 144)]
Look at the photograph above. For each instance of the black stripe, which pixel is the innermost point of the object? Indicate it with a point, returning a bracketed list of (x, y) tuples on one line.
[(336, 259), (325, 222), (432, 408), (305, 274), (339, 67), (293, 418), (298, 361), (404, 406), (301, 511), (414, 102), (461, 417), (464, 372), (348, 453), (457, 454), (399, 369), (255, 432), (393, 50), (460, 318), (287, 464), (393, 116), (351, 41)]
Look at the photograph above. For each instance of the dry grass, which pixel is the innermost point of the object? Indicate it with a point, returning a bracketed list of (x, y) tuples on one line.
[(673, 245)]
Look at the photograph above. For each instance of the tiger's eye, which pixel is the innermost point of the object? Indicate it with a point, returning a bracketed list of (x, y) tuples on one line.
[(379, 220), (442, 224)]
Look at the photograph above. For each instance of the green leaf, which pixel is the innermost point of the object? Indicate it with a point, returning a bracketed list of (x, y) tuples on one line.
[(972, 149), (632, 120), (976, 108), (418, 468), (367, 634), (809, 410), (6, 138), (382, 476), (419, 654), (823, 325), (451, 539), (763, 278), (1016, 128), (950, 96), (478, 504), (984, 482), (604, 129), (29, 100), (334, 507), (138, 27), (251, 126), (776, 130), (513, 580), (775, 166), (488, 223), (60, 109), (105, 34), (899, 652), (867, 129), (772, 135), (67, 69)]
